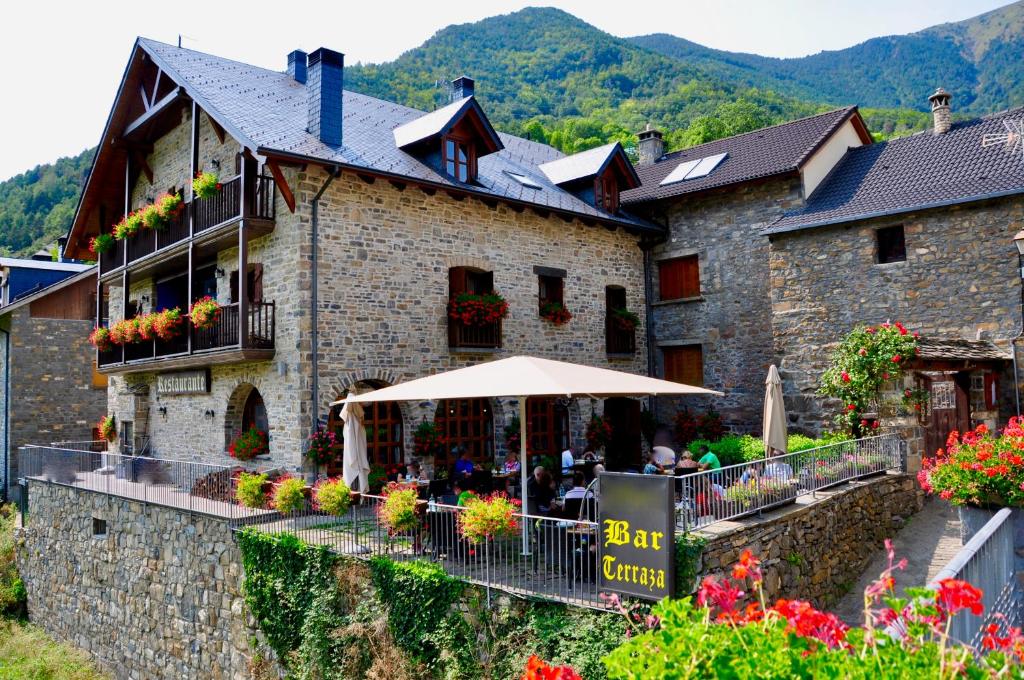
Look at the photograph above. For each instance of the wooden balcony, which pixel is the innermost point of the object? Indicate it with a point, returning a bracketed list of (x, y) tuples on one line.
[(221, 344), (618, 340), (208, 220), (467, 337)]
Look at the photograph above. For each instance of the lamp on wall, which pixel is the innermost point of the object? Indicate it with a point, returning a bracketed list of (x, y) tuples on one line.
[(163, 411), (1018, 241), (219, 272), (216, 164), (208, 413)]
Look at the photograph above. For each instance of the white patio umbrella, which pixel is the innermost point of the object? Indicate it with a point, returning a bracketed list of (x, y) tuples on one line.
[(355, 465), (523, 377), (774, 413)]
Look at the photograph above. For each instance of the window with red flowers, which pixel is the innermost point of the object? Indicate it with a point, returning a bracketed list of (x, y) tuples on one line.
[(474, 282)]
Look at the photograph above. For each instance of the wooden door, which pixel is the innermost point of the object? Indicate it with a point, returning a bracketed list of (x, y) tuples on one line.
[(624, 450), (948, 407)]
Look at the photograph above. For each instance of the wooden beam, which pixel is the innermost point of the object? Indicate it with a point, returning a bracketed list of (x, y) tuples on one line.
[(217, 129), (156, 85), (282, 184), (541, 212), (456, 195), (396, 184), (369, 179), (565, 218), (429, 191), (516, 207), (140, 159), (145, 98), (163, 105)]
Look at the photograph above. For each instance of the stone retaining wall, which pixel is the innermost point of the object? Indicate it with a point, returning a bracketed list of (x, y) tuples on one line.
[(157, 596), (817, 549)]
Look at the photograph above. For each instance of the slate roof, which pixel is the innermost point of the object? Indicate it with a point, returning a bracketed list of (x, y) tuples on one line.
[(579, 165), (958, 348), (914, 173), (767, 152), (268, 110), (436, 122)]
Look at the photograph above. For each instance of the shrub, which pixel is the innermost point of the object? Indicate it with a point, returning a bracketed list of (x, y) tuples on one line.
[(377, 478), (979, 469), (12, 588), (426, 440), (206, 185), (490, 517), (540, 670), (249, 491), (709, 425), (124, 332), (128, 226), (332, 496), (289, 494), (625, 319), (204, 312), (107, 428), (398, 511), (167, 324), (689, 548), (249, 444), (686, 426)]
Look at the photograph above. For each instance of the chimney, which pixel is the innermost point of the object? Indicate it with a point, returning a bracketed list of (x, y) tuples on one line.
[(297, 66), (462, 87), (324, 84), (652, 146), (940, 111), (62, 243)]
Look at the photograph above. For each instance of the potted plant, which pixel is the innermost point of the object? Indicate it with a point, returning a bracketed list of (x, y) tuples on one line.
[(426, 440), (100, 339), (251, 443), (288, 495), (513, 434), (204, 312), (397, 513), (332, 496), (167, 324), (128, 226), (555, 312), (101, 243), (488, 518), (107, 428), (320, 446), (124, 332), (144, 327), (206, 185), (625, 319), (474, 309), (169, 205), (599, 432), (249, 490)]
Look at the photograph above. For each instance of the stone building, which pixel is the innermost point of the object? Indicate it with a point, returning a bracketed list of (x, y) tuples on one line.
[(341, 228), (50, 390), (710, 299), (921, 230)]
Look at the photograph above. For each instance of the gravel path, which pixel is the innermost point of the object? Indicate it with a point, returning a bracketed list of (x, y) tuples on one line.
[(928, 540)]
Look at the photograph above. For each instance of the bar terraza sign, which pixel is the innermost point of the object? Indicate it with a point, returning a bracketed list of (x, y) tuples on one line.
[(637, 523), (183, 382)]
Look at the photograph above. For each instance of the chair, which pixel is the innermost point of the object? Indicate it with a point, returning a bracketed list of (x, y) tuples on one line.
[(571, 508), (438, 488)]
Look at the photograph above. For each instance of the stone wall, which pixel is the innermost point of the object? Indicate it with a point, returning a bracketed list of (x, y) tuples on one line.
[(816, 550), (157, 596), (731, 319), (960, 280)]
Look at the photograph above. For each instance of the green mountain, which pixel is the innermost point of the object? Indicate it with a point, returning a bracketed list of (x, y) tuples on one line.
[(978, 60), (37, 206)]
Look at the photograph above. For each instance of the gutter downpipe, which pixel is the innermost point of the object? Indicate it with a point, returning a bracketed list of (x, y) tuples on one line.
[(314, 220), (646, 246), (1020, 333), (5, 489)]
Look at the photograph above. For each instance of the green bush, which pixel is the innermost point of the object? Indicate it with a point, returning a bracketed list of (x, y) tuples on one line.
[(689, 548), (249, 491), (332, 496), (289, 495), (12, 588)]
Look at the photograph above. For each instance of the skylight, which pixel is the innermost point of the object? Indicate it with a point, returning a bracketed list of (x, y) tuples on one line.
[(523, 179), (700, 167)]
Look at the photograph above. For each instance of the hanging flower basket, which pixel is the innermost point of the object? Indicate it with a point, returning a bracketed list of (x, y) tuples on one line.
[(103, 243), (426, 440), (321, 446), (332, 496), (129, 225), (205, 313), (289, 494), (100, 339), (249, 490), (599, 432), (249, 444), (625, 319), (167, 324), (489, 518), (398, 511), (472, 309), (206, 185), (144, 327), (124, 332), (107, 428), (555, 312)]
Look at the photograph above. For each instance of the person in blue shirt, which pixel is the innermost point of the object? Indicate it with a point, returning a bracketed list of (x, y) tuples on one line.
[(464, 465)]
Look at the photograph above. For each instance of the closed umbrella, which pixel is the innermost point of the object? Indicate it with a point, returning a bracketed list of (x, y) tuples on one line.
[(356, 465), (774, 413)]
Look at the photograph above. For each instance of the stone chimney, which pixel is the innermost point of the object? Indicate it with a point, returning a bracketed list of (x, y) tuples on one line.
[(462, 87), (652, 146), (941, 114), (297, 66), (324, 84)]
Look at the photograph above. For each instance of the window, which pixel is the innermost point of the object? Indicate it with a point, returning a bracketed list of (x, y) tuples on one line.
[(460, 335), (684, 364), (606, 193), (458, 159), (550, 289), (384, 440), (465, 424), (891, 246), (127, 438), (548, 427), (99, 527), (679, 278), (620, 331)]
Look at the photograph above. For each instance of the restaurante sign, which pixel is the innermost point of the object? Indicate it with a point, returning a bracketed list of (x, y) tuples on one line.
[(636, 517), (183, 382)]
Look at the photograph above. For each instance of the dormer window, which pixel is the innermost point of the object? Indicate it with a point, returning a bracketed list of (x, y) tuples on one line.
[(458, 158), (595, 176), (606, 193)]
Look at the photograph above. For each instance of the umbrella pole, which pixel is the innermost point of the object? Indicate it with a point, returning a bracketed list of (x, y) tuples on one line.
[(523, 473)]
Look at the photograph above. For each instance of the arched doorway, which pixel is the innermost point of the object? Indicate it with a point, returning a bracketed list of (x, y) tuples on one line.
[(548, 426), (245, 409), (384, 431), (254, 412), (465, 424)]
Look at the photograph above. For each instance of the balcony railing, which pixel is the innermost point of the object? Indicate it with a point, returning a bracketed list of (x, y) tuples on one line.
[(464, 336), (224, 334), (207, 214), (618, 340)]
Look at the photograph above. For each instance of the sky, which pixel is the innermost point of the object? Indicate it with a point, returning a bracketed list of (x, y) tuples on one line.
[(60, 62)]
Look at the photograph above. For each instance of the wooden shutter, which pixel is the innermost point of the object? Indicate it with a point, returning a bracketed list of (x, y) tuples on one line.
[(679, 278), (684, 364), (456, 281), (234, 285), (256, 283)]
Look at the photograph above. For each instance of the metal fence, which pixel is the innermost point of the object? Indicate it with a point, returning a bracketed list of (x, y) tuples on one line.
[(988, 563), (734, 491)]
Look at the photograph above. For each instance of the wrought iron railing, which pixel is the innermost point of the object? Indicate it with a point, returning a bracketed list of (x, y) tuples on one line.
[(113, 258), (469, 336), (734, 491)]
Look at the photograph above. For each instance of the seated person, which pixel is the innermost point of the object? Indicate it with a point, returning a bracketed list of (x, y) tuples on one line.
[(708, 460), (686, 461), (413, 471), (653, 467), (778, 470), (579, 487), (589, 456), (461, 493), (464, 467), (541, 487), (511, 463), (568, 460), (665, 456)]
